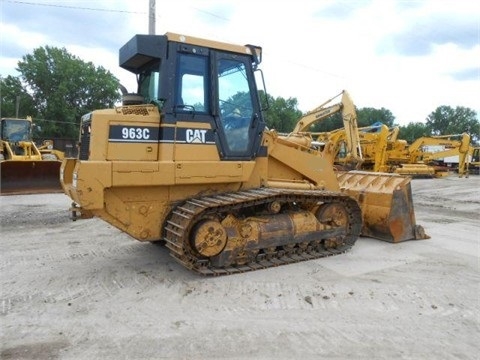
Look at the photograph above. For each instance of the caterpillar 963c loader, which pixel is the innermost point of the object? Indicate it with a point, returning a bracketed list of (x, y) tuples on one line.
[(26, 168), (188, 161)]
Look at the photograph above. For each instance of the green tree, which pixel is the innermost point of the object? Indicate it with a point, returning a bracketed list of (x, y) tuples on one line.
[(412, 131), (64, 88), (368, 116), (446, 120), (365, 117), (13, 95), (281, 114), (330, 123), (239, 101)]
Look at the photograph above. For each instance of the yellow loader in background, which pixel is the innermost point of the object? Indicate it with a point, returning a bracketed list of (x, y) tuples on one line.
[(24, 167)]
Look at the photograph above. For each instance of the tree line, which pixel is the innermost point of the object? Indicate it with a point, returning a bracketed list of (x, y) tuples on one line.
[(282, 115), (56, 88)]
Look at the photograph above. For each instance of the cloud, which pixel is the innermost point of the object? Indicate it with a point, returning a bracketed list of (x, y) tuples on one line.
[(15, 41), (387, 53), (420, 38), (66, 23), (340, 10), (90, 30), (471, 74)]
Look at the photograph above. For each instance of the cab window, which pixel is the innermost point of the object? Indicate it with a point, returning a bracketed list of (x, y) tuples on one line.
[(148, 84), (235, 103), (191, 94)]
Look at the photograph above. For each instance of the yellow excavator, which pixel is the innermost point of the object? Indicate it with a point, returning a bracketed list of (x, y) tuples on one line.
[(341, 146), (419, 155), (383, 151), (24, 167), (188, 162), (380, 150), (474, 164)]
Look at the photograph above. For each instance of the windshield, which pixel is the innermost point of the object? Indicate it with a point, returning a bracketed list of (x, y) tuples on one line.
[(235, 102), (15, 130)]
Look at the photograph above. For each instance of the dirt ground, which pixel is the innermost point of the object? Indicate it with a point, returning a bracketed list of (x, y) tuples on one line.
[(84, 290)]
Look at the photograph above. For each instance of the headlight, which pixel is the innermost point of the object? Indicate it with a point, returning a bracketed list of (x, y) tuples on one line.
[(74, 180)]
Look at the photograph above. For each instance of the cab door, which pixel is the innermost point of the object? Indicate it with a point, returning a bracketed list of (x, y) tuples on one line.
[(214, 101), (237, 116)]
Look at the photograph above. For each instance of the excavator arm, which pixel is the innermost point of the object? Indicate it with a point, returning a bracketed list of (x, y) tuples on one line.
[(349, 133), (461, 148)]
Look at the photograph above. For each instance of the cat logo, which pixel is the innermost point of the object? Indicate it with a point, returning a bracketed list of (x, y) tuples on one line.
[(195, 136)]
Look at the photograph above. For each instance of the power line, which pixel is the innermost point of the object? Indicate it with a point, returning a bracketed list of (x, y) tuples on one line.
[(107, 10), (74, 7), (209, 13), (55, 121)]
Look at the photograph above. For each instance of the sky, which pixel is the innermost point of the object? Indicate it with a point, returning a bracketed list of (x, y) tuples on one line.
[(407, 56)]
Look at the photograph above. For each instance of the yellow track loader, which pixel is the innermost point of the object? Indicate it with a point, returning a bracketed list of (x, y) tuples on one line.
[(190, 163), (24, 167)]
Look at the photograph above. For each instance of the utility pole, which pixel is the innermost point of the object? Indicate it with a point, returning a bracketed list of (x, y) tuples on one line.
[(1, 96), (151, 17), (17, 106)]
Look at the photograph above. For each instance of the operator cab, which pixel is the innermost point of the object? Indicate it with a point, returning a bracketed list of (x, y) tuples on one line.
[(14, 130), (201, 81)]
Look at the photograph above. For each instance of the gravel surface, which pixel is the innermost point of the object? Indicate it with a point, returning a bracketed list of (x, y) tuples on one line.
[(84, 290)]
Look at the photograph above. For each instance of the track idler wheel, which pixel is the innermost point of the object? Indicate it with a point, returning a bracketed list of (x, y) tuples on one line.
[(334, 215), (209, 238)]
